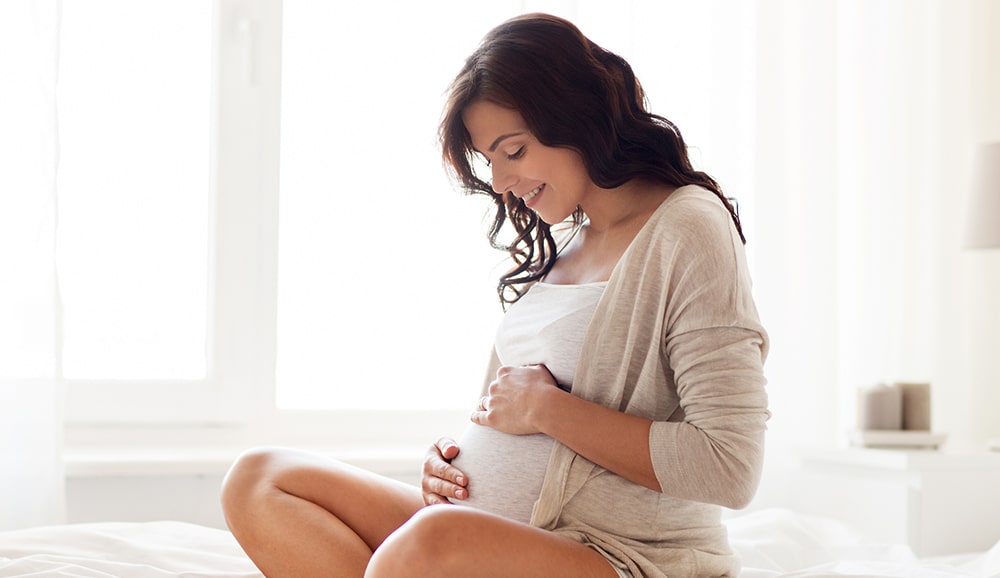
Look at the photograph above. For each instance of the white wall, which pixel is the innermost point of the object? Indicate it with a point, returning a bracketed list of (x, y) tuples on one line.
[(190, 498)]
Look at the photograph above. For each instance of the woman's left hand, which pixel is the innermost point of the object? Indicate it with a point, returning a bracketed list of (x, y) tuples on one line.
[(514, 399)]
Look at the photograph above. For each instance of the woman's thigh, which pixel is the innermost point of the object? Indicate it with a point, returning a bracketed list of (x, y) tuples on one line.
[(455, 541), (267, 486)]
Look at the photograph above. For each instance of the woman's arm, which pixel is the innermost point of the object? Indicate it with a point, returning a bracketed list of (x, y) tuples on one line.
[(616, 441), (715, 453), (712, 455), (526, 400)]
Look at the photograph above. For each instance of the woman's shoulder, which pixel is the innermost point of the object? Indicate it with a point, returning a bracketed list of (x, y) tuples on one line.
[(692, 200), (691, 213)]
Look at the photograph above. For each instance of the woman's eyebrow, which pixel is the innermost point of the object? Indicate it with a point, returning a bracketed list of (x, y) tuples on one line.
[(499, 139)]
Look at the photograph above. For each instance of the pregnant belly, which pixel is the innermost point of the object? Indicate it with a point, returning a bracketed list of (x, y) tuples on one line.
[(505, 472)]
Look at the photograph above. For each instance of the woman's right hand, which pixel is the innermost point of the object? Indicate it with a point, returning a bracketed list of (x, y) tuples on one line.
[(441, 480)]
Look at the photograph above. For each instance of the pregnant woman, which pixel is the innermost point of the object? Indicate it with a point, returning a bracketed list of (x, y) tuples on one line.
[(626, 401)]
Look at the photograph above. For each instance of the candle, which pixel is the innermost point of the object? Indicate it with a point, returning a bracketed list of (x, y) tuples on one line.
[(880, 407), (916, 406)]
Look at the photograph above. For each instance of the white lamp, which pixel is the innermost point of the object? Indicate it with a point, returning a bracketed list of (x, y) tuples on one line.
[(982, 230)]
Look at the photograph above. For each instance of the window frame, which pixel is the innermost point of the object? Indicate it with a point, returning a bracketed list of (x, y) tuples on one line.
[(242, 278)]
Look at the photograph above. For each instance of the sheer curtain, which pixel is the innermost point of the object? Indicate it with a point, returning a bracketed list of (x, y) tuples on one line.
[(31, 476), (866, 113)]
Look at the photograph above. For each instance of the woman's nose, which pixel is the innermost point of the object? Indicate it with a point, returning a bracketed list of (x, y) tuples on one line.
[(502, 180)]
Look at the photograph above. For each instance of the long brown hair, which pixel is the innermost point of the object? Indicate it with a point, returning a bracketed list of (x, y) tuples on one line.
[(571, 93)]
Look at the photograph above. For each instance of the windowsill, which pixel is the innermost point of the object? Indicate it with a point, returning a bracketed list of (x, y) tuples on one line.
[(209, 461), (160, 462), (389, 442)]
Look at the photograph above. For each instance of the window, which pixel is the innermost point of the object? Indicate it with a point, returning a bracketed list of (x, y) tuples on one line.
[(133, 188), (164, 193)]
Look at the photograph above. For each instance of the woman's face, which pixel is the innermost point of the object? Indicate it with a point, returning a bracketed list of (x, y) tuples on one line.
[(551, 181)]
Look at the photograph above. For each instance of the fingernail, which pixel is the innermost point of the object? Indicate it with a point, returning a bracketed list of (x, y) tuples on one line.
[(460, 494), (460, 480)]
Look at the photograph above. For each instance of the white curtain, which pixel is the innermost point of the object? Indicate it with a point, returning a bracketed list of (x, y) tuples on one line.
[(31, 470), (866, 114), (845, 129)]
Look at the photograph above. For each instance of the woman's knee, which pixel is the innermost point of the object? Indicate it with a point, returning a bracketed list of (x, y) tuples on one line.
[(253, 471), (423, 545)]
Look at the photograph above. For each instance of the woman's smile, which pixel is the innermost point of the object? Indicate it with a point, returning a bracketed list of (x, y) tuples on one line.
[(529, 198)]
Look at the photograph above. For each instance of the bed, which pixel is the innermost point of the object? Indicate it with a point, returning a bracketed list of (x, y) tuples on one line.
[(771, 543)]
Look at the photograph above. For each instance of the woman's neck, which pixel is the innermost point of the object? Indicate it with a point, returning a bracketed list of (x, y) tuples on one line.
[(614, 218), (609, 210)]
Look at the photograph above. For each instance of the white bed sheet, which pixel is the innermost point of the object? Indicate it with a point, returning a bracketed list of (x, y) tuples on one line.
[(123, 550), (777, 542), (770, 543)]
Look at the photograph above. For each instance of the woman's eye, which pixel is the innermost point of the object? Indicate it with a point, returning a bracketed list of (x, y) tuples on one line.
[(518, 154)]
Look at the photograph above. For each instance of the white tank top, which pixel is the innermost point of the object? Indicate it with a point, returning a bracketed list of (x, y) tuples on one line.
[(547, 325)]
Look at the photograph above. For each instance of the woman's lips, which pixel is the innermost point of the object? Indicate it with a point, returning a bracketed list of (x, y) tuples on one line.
[(531, 198)]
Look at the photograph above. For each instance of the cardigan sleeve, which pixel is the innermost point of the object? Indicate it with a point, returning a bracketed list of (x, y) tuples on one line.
[(711, 450), (716, 452)]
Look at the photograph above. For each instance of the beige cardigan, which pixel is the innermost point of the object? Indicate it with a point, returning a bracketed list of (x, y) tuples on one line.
[(675, 338)]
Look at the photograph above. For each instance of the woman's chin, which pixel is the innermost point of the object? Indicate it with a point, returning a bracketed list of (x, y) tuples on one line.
[(552, 217)]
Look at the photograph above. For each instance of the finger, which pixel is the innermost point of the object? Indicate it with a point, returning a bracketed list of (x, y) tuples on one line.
[(447, 448), (443, 489), (545, 370), (434, 499), (437, 468), (452, 491), (479, 417), (442, 495)]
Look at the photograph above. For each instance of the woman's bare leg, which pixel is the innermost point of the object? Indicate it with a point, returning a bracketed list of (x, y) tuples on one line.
[(458, 542), (299, 514)]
